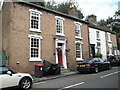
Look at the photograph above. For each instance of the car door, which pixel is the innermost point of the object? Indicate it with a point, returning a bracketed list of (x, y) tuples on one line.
[(97, 63), (8, 80), (103, 64)]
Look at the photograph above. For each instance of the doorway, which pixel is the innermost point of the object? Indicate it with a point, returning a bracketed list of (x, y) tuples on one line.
[(61, 53), (92, 50)]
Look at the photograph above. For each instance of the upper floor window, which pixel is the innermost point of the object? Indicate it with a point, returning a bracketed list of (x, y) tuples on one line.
[(35, 43), (59, 26), (35, 20), (109, 37), (98, 47), (109, 49), (98, 35), (1, 4), (77, 30)]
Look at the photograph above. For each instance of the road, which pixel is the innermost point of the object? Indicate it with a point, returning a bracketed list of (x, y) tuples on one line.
[(105, 79)]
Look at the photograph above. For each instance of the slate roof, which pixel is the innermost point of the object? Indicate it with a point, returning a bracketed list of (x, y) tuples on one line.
[(100, 28), (65, 15), (51, 11)]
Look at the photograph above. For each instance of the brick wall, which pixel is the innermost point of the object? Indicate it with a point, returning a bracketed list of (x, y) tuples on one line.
[(16, 40)]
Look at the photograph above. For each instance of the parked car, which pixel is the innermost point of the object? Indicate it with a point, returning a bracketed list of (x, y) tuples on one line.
[(115, 60), (93, 65), (9, 78)]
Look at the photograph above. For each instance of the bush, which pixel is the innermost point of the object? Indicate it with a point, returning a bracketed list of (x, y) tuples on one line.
[(98, 55)]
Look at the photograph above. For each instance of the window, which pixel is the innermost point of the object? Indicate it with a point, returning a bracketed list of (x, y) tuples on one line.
[(35, 47), (35, 20), (109, 49), (98, 47), (98, 35), (59, 26), (109, 37), (78, 50), (1, 4), (77, 30)]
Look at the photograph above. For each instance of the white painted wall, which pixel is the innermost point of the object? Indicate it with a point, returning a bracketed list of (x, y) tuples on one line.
[(93, 40), (103, 44)]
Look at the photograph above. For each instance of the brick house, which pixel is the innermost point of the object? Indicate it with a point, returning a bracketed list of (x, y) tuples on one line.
[(33, 33), (102, 39)]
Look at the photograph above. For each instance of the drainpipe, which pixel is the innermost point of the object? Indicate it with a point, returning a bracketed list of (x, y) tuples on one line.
[(0, 36), (2, 54)]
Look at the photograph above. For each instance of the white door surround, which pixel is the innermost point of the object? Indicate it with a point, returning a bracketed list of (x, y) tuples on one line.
[(63, 42)]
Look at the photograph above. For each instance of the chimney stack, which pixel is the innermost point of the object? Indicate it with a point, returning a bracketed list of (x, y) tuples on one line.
[(72, 10), (92, 19)]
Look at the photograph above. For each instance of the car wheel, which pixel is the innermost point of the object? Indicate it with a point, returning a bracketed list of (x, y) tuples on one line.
[(25, 83), (96, 70), (109, 67)]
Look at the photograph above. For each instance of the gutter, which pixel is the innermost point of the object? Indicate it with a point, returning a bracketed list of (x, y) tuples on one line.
[(49, 10)]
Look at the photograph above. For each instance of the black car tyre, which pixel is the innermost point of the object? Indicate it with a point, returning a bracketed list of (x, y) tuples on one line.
[(25, 83), (109, 67), (96, 70)]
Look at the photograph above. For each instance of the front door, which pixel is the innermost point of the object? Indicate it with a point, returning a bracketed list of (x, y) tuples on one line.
[(92, 46), (60, 53), (60, 56)]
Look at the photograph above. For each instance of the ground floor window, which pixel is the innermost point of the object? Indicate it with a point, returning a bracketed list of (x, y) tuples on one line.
[(78, 51), (35, 54)]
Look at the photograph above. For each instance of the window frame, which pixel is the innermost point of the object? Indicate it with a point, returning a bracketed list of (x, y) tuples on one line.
[(81, 51), (98, 35), (110, 49), (39, 22), (80, 32), (109, 37), (98, 47), (62, 23), (39, 49)]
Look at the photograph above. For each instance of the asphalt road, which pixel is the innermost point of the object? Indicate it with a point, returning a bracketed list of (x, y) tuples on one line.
[(106, 80)]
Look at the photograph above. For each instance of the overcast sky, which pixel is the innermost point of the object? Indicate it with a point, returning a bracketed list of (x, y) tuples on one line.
[(101, 8)]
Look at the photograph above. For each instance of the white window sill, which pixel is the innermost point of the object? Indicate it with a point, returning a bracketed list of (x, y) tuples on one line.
[(60, 34), (78, 37), (109, 41), (110, 54), (79, 59), (98, 39), (35, 30), (33, 59)]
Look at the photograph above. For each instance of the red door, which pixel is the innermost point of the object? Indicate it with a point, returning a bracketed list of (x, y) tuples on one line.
[(60, 59)]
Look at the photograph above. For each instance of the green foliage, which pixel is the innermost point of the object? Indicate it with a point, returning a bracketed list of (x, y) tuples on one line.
[(62, 7), (39, 3), (102, 22), (113, 21), (98, 55)]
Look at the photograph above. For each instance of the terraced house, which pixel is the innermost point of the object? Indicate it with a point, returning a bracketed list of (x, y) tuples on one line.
[(102, 39), (31, 34)]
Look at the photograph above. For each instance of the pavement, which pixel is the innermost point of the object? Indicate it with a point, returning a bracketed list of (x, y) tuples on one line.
[(44, 78)]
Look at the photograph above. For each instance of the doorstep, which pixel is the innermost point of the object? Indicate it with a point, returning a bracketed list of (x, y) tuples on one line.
[(44, 78)]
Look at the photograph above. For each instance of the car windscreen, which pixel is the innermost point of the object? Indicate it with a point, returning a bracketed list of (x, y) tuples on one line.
[(4, 70), (88, 61)]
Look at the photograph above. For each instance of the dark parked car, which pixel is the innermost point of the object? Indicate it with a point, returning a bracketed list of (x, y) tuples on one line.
[(93, 65), (115, 60)]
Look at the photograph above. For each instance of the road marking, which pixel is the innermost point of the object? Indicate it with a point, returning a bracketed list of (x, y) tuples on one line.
[(72, 85), (39, 83), (109, 74)]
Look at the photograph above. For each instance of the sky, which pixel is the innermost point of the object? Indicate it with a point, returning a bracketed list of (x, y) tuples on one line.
[(101, 8)]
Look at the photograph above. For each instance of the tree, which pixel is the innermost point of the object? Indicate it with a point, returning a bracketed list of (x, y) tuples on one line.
[(62, 7), (39, 3), (102, 22)]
